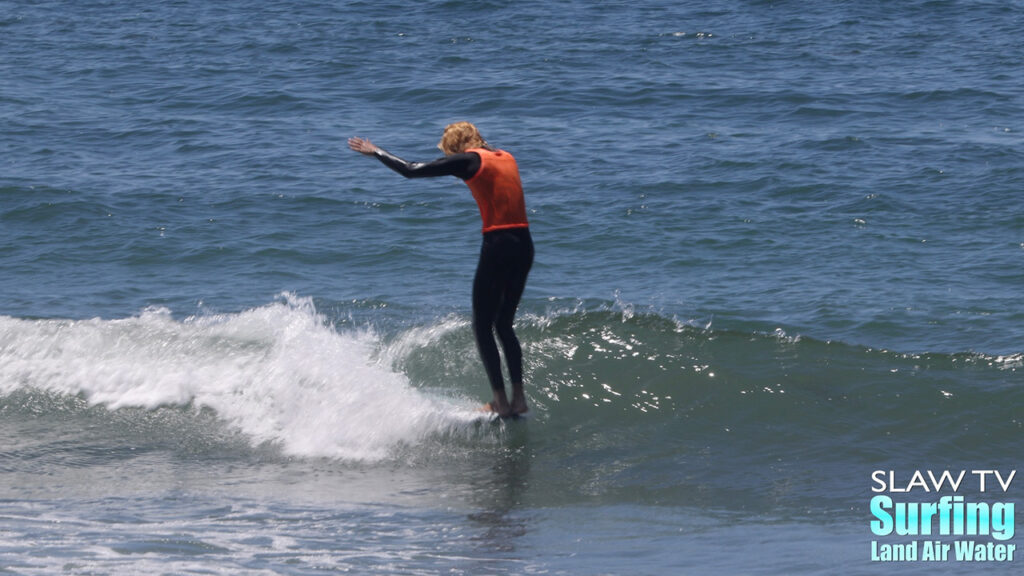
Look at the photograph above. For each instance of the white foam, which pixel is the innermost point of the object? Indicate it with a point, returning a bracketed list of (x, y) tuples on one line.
[(279, 373)]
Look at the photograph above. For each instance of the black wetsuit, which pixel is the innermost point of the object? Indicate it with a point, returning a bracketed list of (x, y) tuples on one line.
[(506, 257)]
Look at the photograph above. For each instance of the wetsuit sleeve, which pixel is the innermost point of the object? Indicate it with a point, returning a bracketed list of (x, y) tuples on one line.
[(464, 165)]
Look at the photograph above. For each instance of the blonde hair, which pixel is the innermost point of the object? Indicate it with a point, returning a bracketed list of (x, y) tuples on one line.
[(459, 137)]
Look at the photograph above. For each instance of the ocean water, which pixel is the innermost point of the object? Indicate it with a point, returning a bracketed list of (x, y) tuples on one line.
[(780, 248)]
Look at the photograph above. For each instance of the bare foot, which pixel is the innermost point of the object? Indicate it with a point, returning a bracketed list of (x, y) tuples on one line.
[(519, 400), (519, 405)]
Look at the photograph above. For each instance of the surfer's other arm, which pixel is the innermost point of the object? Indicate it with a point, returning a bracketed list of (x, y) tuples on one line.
[(463, 165)]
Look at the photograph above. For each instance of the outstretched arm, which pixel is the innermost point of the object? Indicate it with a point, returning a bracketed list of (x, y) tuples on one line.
[(463, 165)]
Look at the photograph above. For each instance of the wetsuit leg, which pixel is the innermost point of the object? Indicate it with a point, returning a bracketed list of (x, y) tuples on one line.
[(486, 301), (505, 260), (519, 265)]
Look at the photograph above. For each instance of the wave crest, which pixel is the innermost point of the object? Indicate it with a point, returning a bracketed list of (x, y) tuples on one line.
[(279, 373)]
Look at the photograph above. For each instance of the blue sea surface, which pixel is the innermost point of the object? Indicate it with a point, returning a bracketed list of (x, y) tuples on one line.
[(780, 246)]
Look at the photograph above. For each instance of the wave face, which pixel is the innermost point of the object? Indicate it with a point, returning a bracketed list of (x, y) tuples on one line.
[(626, 406)]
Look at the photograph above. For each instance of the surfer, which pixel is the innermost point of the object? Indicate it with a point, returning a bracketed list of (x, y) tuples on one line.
[(506, 254)]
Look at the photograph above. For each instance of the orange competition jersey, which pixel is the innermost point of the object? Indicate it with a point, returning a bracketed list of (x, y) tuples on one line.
[(498, 190)]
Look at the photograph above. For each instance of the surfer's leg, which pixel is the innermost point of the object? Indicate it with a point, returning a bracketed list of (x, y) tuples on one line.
[(487, 295), (518, 266), (514, 357)]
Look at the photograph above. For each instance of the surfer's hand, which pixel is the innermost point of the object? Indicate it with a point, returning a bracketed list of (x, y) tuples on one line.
[(362, 145)]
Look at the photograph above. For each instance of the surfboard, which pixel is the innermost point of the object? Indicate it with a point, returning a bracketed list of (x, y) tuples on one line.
[(486, 408)]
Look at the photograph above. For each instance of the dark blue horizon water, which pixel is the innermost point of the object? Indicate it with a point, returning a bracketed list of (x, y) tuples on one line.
[(779, 246)]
